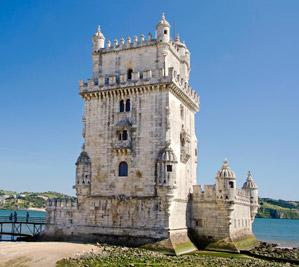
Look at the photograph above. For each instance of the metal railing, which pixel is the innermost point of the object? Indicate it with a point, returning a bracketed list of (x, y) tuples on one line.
[(22, 219)]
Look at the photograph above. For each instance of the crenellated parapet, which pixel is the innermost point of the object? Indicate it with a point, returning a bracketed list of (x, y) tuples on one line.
[(207, 193), (58, 203), (128, 43), (138, 79)]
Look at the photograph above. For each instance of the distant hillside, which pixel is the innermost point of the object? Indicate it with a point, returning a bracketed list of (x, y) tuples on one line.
[(278, 209), (24, 200)]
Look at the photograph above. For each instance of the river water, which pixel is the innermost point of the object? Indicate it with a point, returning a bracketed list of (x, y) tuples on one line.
[(284, 232), (280, 231)]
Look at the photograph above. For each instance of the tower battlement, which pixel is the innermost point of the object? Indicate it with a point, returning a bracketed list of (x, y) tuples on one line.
[(139, 80)]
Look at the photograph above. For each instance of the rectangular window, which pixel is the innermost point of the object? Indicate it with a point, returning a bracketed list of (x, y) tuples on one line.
[(169, 168)]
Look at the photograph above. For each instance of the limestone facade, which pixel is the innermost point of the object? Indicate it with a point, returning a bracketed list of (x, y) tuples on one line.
[(136, 174)]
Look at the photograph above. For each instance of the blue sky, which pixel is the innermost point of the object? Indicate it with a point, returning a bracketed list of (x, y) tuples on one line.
[(244, 64)]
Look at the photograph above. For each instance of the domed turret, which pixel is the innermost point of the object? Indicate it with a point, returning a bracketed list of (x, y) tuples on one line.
[(249, 184), (226, 182), (166, 167), (83, 174), (225, 172), (98, 40), (252, 189), (167, 155), (83, 158), (163, 30)]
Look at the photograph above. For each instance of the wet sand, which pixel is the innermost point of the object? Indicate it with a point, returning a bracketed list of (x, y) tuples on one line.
[(40, 253)]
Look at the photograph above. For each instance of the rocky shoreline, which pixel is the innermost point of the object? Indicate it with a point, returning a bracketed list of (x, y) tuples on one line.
[(273, 250), (124, 256)]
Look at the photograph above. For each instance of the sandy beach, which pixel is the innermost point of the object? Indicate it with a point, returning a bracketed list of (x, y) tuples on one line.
[(40, 253)]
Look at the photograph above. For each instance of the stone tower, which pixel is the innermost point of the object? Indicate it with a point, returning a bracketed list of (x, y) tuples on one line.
[(138, 164), (136, 175)]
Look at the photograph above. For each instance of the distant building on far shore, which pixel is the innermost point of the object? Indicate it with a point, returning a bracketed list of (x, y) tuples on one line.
[(136, 174)]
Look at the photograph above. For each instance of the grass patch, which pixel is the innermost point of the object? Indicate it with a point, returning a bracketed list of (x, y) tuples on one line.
[(122, 257)]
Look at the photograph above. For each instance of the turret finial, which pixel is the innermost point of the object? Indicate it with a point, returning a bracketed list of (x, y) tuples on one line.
[(163, 16), (249, 176), (99, 28), (225, 163)]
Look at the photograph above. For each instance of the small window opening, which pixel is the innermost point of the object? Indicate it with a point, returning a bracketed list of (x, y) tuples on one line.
[(106, 80), (119, 136), (128, 105), (121, 106), (231, 184), (141, 75), (125, 135), (182, 112), (165, 31), (129, 74), (123, 169), (198, 223), (195, 151), (169, 168)]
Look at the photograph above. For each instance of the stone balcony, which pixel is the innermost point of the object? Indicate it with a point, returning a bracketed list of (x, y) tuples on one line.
[(122, 146)]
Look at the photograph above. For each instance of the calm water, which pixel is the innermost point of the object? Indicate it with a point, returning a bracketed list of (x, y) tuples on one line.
[(281, 231)]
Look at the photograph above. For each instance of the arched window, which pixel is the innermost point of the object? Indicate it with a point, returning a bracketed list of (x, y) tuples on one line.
[(123, 169), (121, 106), (125, 135), (129, 74), (128, 105)]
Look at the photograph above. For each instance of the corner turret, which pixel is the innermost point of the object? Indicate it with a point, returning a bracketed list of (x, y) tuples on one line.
[(166, 167), (163, 30), (98, 40), (252, 189), (83, 174), (226, 183)]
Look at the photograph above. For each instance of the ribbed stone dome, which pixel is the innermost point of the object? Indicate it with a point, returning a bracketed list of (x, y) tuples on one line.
[(168, 155), (83, 158), (163, 21), (249, 182), (226, 172), (99, 33)]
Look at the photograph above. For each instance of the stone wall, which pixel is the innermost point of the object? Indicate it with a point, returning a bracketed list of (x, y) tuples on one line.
[(139, 217)]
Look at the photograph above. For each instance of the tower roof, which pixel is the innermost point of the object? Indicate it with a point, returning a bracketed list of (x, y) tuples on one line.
[(225, 171), (83, 158), (167, 154), (99, 33), (163, 21), (249, 182)]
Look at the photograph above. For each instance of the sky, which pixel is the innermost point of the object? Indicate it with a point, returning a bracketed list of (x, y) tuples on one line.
[(244, 65)]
